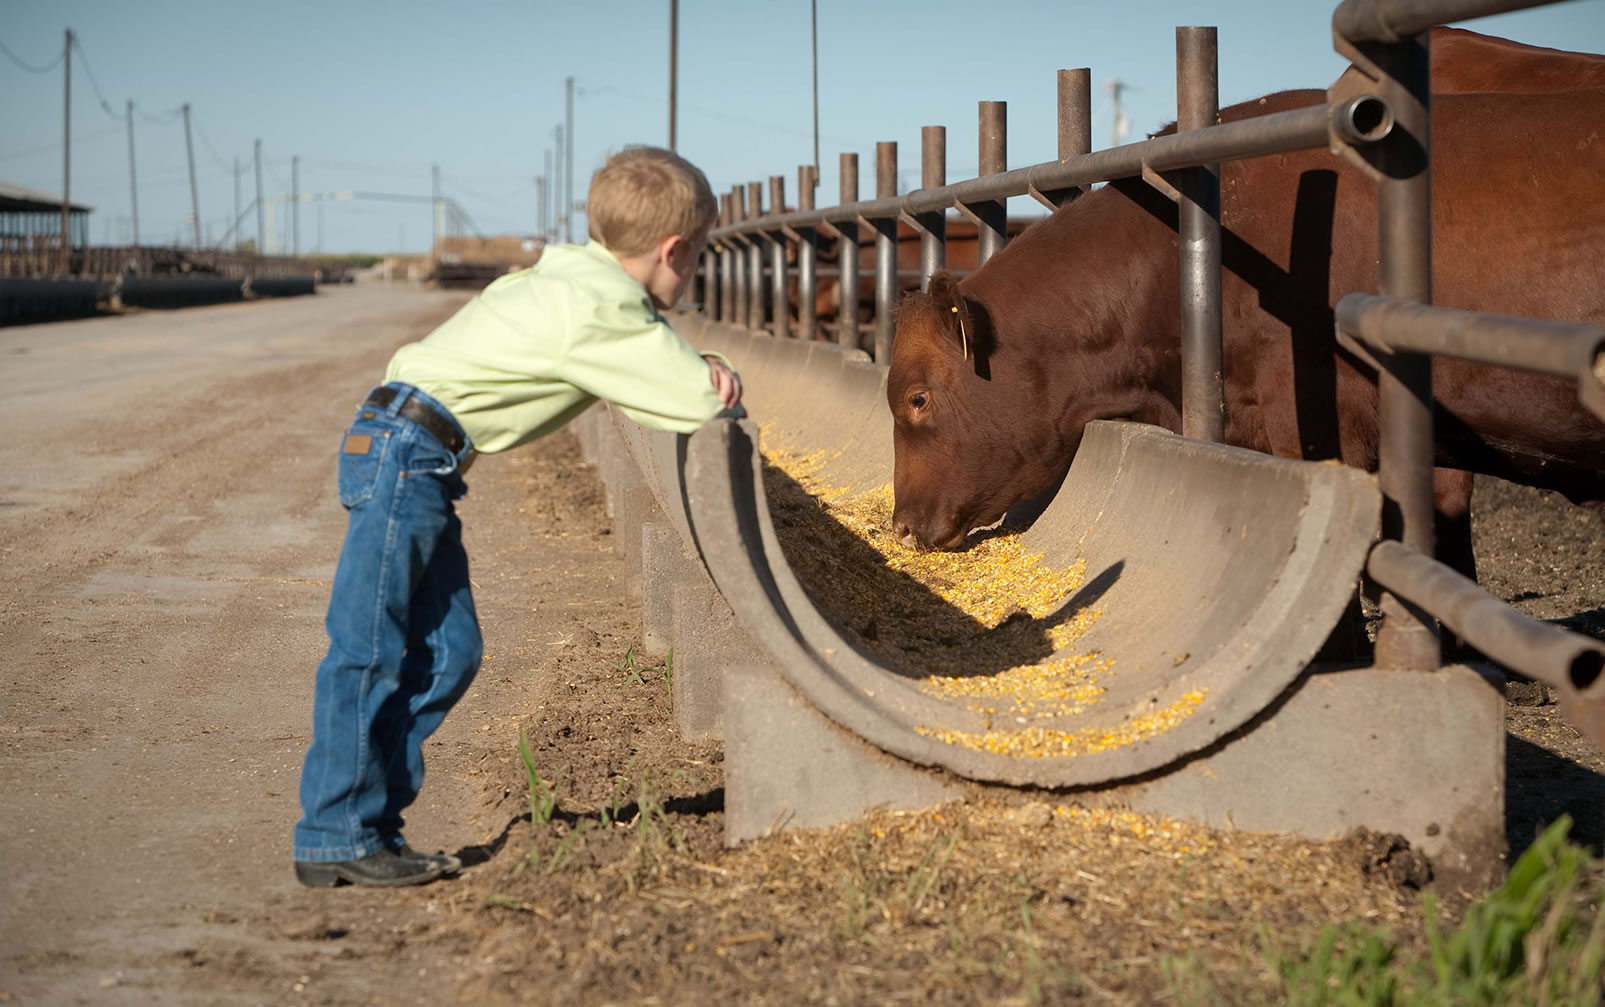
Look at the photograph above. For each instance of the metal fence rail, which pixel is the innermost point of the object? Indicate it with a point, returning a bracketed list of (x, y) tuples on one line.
[(1380, 123)]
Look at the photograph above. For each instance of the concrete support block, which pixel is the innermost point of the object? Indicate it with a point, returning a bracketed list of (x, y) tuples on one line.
[(612, 460), (707, 638), (1421, 754), (587, 427), (666, 563), (788, 766)]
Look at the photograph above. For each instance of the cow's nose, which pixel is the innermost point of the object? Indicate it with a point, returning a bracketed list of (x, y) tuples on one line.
[(905, 534)]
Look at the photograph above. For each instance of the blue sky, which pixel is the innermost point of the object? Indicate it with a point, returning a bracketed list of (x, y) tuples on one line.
[(369, 95)]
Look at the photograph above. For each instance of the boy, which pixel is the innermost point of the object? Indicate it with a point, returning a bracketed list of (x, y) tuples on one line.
[(532, 351)]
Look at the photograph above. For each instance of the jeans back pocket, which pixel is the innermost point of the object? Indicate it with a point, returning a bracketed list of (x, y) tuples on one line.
[(362, 456)]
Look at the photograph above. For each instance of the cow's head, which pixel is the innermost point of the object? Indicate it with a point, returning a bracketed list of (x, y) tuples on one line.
[(968, 427)]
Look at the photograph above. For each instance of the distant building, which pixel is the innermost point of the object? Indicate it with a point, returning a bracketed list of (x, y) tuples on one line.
[(30, 221)]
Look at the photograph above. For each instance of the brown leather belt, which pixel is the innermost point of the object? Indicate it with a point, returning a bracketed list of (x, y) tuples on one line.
[(421, 413)]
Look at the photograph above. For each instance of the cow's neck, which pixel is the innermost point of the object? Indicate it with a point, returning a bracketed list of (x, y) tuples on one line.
[(1097, 339)]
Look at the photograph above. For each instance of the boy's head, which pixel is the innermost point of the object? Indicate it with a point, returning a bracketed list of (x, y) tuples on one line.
[(653, 210), (645, 194)]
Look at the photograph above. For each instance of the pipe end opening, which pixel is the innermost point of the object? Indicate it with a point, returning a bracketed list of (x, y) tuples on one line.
[(1585, 669), (1366, 119)]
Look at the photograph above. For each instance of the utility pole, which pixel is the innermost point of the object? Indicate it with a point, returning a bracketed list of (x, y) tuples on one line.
[(568, 169), (66, 160), (546, 198), (557, 191), (234, 230), (194, 198), (295, 205), (674, 55), (813, 14), (540, 205), (435, 210), (133, 185), (261, 223), (1117, 132)]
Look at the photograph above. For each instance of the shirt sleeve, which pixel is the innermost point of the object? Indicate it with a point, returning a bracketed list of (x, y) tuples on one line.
[(634, 360)]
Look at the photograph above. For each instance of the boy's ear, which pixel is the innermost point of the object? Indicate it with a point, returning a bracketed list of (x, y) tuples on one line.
[(668, 248)]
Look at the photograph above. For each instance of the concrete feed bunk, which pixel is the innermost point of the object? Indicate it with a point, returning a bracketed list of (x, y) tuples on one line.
[(1170, 594)]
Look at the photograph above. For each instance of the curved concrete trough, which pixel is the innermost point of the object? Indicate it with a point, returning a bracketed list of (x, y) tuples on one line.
[(1211, 577)]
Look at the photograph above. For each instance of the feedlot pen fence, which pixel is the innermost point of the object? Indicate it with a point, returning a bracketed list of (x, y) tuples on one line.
[(1380, 123)]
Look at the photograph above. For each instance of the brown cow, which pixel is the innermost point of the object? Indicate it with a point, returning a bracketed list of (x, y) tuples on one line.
[(1078, 320)]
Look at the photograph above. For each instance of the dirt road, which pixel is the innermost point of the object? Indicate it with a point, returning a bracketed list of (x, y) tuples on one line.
[(168, 528)]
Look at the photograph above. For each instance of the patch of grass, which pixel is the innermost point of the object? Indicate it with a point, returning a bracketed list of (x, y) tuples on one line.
[(542, 798), (634, 671), (1539, 939), (631, 669)]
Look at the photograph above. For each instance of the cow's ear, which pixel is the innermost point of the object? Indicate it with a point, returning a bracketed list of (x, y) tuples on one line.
[(953, 311)]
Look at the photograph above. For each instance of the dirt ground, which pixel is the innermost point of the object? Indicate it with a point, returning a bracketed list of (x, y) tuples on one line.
[(169, 527)]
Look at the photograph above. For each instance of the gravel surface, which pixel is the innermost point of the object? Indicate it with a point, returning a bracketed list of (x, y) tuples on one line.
[(169, 527)]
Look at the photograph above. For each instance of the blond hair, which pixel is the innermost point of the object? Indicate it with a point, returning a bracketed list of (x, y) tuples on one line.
[(645, 194)]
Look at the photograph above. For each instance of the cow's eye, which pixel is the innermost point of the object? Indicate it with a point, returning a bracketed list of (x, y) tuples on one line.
[(917, 400)]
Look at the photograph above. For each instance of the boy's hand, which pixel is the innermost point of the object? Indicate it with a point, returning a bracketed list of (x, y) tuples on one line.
[(726, 382)]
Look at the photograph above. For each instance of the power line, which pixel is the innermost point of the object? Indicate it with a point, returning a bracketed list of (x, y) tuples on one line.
[(207, 143), (163, 118), (275, 175), (521, 191), (29, 66), (84, 57), (57, 145)]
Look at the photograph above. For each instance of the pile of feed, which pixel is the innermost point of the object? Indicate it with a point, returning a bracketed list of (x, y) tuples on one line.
[(991, 627)]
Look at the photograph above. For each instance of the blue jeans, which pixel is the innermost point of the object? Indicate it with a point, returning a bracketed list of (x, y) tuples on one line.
[(404, 639)]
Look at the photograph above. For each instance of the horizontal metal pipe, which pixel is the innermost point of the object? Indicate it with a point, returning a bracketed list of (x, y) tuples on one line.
[(1567, 351), (1392, 20), (1569, 662), (1296, 129)]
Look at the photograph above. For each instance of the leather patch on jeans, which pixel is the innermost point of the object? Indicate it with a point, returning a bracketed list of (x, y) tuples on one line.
[(358, 444)]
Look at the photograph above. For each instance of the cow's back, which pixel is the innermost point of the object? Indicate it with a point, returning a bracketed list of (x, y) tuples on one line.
[(1518, 229)]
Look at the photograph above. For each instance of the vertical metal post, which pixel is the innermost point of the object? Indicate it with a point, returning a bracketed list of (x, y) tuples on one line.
[(992, 216), (1075, 113), (1203, 405), (133, 183), (710, 301), (66, 158), (885, 251), (933, 226), (1408, 637), (295, 205), (727, 262), (261, 207), (738, 258), (755, 287), (235, 230), (194, 197), (780, 318), (568, 166), (807, 258), (847, 256), (674, 64)]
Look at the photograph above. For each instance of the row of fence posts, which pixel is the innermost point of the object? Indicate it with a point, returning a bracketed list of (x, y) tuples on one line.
[(734, 269), (1383, 129)]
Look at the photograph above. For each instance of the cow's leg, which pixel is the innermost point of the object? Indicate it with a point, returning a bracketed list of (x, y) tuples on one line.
[(1451, 498)]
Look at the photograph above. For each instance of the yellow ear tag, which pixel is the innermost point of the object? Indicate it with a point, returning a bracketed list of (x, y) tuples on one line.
[(964, 340)]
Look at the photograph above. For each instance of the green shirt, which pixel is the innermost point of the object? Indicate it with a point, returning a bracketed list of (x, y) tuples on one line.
[(537, 347)]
